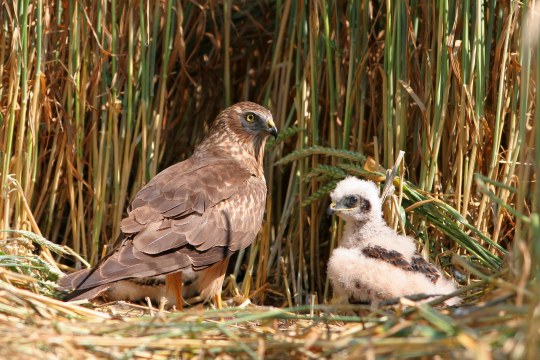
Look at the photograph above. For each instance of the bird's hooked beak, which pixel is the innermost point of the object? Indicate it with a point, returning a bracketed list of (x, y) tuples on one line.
[(336, 208), (272, 128), (331, 210)]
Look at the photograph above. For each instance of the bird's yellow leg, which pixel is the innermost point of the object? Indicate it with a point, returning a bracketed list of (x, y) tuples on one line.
[(174, 285), (217, 300)]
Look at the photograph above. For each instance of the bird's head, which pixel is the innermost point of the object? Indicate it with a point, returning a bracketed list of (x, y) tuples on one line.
[(251, 120), (239, 132), (356, 200)]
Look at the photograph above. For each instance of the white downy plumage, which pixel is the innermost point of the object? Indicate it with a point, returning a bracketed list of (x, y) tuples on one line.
[(374, 263)]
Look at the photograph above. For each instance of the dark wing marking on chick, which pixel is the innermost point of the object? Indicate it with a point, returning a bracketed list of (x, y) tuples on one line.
[(418, 263), (390, 256)]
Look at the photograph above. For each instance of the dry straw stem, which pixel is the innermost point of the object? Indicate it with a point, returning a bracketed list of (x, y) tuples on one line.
[(96, 97)]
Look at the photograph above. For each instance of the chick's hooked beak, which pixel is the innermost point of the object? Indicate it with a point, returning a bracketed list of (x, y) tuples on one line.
[(331, 210), (338, 207), (272, 128)]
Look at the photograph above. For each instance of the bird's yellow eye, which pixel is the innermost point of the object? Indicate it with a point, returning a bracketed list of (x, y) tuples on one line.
[(250, 118)]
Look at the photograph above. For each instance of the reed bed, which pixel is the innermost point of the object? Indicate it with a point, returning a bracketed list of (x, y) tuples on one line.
[(97, 97)]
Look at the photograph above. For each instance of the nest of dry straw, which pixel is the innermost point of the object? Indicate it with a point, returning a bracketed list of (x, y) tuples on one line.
[(34, 324), (37, 326)]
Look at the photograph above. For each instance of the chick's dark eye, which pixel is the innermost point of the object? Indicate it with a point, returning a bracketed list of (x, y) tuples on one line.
[(351, 201), (250, 117)]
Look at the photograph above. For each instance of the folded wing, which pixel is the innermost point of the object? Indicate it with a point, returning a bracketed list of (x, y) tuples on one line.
[(192, 214)]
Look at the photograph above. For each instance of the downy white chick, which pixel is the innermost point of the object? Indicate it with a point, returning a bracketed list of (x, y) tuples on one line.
[(374, 263)]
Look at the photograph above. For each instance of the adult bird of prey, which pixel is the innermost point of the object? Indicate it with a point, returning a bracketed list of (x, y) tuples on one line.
[(184, 225), (373, 262)]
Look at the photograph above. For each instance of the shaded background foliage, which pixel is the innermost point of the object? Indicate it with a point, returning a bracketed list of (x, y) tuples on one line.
[(97, 97)]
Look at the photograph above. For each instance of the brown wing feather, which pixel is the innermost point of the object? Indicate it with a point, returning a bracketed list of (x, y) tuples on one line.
[(124, 263), (159, 245), (418, 263), (233, 223)]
